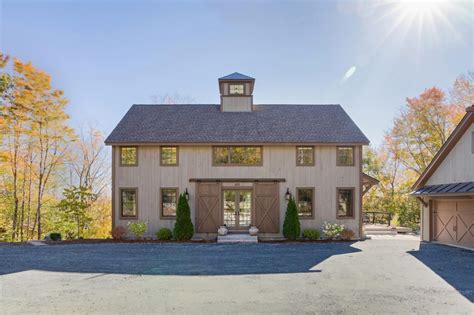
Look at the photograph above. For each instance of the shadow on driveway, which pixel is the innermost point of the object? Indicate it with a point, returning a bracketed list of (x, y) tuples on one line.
[(454, 265), (171, 259)]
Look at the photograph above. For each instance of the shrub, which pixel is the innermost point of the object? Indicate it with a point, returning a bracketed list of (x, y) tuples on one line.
[(291, 225), (118, 233), (183, 228), (332, 230), (409, 216), (311, 234), (138, 228), (347, 234), (164, 234), (55, 236)]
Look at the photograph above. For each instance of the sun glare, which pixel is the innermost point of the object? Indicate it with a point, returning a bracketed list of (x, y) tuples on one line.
[(426, 19), (421, 7)]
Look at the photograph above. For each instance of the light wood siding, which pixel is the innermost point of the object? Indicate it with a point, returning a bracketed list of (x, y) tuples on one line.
[(425, 222), (237, 103), (458, 166), (278, 162)]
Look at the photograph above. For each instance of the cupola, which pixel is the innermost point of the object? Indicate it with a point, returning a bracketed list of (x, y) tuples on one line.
[(236, 91)]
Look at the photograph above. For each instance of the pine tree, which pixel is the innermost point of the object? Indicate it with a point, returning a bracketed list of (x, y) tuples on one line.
[(183, 228), (291, 226)]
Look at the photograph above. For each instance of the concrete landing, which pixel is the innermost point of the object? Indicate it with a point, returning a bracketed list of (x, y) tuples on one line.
[(37, 243), (379, 230), (236, 238)]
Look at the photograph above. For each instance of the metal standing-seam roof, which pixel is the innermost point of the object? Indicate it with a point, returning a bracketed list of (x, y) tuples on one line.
[(444, 189), (265, 124)]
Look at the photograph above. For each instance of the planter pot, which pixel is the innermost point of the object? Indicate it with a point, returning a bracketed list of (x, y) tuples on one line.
[(253, 231), (222, 231)]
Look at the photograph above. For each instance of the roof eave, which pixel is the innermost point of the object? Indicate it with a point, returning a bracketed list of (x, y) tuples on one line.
[(131, 143), (457, 194)]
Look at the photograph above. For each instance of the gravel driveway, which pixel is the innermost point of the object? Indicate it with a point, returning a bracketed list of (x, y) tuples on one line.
[(375, 276)]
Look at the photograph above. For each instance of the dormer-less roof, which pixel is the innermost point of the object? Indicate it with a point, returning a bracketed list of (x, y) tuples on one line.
[(236, 76), (181, 124)]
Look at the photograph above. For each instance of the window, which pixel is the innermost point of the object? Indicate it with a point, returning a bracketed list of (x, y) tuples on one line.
[(236, 89), (345, 156), (304, 156), (237, 156), (304, 200), (128, 156), (169, 198), (128, 203), (169, 155), (345, 202)]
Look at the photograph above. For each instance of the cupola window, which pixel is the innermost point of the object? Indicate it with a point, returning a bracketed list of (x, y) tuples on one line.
[(236, 89)]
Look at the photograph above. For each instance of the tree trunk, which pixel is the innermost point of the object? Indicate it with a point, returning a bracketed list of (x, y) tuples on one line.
[(15, 211), (22, 212), (78, 228), (28, 233), (38, 215)]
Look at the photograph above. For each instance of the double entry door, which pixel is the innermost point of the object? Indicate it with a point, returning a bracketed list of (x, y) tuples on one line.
[(237, 206)]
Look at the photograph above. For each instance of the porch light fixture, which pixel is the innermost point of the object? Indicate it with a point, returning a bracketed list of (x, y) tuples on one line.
[(186, 194), (288, 194)]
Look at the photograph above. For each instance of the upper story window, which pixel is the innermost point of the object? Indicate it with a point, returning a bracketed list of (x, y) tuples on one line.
[(305, 156), (304, 199), (237, 89), (345, 156), (128, 156), (345, 202), (237, 155), (169, 156)]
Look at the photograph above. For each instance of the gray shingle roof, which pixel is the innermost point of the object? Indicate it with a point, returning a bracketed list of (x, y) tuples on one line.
[(454, 188), (207, 124), (236, 76)]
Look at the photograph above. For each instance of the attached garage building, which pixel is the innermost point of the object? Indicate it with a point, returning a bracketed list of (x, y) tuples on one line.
[(446, 189)]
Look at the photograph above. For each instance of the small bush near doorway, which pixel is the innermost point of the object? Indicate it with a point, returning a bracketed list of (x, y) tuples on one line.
[(332, 230), (119, 232), (311, 234), (164, 234), (183, 228), (347, 234), (138, 228), (291, 226)]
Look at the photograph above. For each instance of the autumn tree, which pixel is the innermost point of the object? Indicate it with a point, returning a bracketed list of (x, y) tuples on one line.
[(36, 137), (90, 168), (75, 203), (89, 163), (418, 132), (15, 125), (392, 192), (172, 99), (421, 129), (462, 92)]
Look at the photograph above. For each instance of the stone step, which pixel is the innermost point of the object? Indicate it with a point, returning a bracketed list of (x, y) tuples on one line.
[(401, 229), (381, 232), (37, 243), (236, 238)]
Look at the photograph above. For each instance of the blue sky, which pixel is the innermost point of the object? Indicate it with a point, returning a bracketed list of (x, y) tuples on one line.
[(107, 55)]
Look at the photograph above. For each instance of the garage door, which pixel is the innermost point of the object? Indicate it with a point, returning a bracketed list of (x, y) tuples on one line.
[(453, 222)]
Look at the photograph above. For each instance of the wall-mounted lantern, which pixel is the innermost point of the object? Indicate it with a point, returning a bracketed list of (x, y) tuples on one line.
[(186, 194), (288, 194)]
